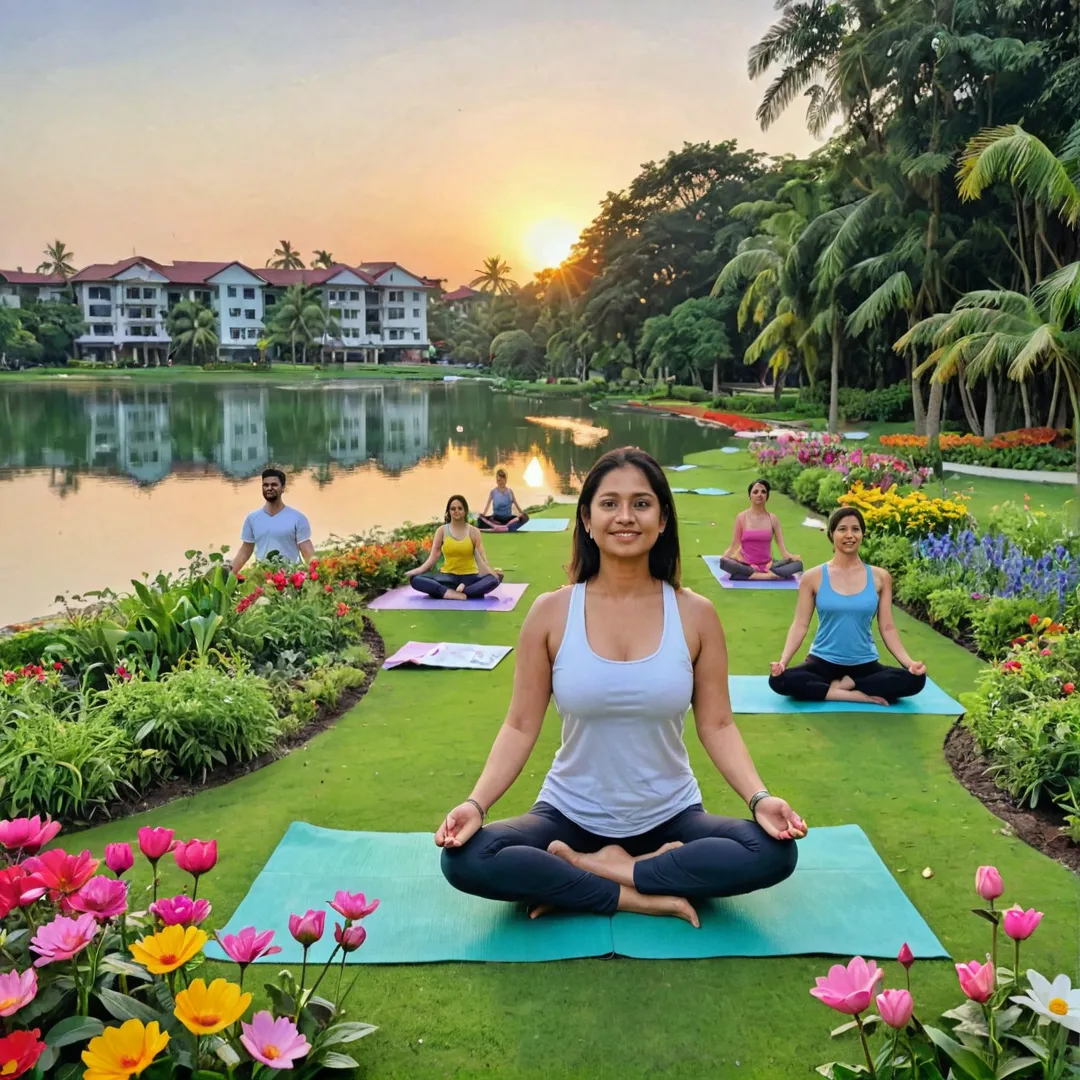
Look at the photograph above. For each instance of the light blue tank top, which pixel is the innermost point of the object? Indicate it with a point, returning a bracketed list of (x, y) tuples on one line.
[(844, 623), (502, 502), (622, 768)]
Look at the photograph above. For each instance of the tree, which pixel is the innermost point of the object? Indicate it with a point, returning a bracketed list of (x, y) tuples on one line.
[(300, 319), (692, 339), (285, 257), (494, 277), (193, 329), (58, 260), (514, 355), (319, 257), (54, 325)]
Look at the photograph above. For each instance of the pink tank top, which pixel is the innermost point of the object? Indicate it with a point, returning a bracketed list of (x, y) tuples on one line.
[(757, 548)]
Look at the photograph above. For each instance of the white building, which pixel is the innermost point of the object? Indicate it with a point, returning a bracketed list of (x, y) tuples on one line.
[(15, 283)]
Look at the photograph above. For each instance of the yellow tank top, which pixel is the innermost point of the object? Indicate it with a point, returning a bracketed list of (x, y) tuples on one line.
[(457, 554)]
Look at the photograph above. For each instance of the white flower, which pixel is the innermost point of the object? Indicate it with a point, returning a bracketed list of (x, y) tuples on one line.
[(1057, 1001)]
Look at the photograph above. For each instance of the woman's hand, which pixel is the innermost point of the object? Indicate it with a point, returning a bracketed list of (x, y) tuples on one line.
[(459, 826), (778, 819), (917, 667), (788, 557), (777, 667), (413, 572)]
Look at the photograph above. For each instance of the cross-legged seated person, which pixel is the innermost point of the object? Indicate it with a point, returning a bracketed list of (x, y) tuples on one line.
[(498, 513), (619, 824), (842, 664), (749, 558), (465, 572)]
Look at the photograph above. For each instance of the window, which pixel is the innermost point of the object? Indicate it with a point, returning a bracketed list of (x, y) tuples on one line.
[(397, 335), (397, 296), (249, 313), (332, 295), (100, 292), (269, 300), (140, 331), (354, 296), (202, 296), (253, 332), (231, 291), (133, 294), (416, 335), (416, 298), (100, 311), (103, 330), (174, 298), (249, 293), (149, 294), (235, 333), (234, 313), (395, 313), (416, 313)]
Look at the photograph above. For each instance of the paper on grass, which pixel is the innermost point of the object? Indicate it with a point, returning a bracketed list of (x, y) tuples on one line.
[(448, 654)]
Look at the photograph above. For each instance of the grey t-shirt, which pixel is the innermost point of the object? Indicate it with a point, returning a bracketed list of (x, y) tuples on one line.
[(282, 532)]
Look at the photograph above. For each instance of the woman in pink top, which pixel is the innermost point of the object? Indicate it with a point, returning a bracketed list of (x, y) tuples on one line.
[(749, 557)]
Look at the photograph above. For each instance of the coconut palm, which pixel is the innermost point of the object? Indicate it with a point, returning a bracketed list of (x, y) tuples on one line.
[(494, 277), (300, 319), (58, 260), (192, 327), (319, 257), (285, 257)]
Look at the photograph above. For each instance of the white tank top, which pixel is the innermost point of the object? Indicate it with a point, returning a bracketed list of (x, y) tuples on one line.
[(622, 768)]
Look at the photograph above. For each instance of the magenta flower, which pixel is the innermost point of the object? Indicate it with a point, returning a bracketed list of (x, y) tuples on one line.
[(248, 946), (118, 858), (895, 1007), (63, 938), (196, 857), (17, 990), (905, 956), (154, 843), (988, 882), (275, 1043), (1021, 924), (353, 906), (350, 938), (848, 989), (103, 897), (27, 834), (308, 928), (976, 980), (180, 910)]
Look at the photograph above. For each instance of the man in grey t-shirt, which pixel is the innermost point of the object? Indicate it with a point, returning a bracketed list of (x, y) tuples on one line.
[(274, 528)]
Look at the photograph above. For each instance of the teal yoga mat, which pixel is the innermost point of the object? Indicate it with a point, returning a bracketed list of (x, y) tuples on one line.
[(840, 901), (540, 524), (751, 694)]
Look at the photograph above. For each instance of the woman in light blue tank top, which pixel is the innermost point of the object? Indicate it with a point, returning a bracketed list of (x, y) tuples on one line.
[(498, 513), (619, 824), (842, 664)]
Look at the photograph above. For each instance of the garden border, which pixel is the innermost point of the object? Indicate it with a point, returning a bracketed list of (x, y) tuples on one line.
[(1035, 476)]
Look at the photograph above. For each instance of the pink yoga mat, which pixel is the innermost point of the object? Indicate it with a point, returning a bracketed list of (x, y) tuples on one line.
[(406, 598), (728, 582)]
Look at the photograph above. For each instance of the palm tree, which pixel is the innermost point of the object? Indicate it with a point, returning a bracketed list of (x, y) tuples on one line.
[(494, 278), (192, 326), (58, 260), (300, 319), (285, 257), (319, 257)]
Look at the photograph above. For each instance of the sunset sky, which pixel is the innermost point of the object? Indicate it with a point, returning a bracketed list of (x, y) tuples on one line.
[(432, 133)]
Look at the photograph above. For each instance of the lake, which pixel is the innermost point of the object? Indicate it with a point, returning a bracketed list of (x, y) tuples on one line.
[(105, 480)]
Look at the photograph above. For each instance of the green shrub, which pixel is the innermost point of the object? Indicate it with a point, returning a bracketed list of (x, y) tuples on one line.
[(829, 490), (1035, 532), (913, 590), (998, 622), (783, 475), (324, 687), (892, 553), (951, 608), (806, 484), (25, 647), (196, 717), (889, 403), (690, 393)]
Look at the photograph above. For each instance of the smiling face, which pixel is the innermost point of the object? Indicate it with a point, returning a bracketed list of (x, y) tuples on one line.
[(271, 488), (847, 536), (625, 516), (759, 496), (457, 510)]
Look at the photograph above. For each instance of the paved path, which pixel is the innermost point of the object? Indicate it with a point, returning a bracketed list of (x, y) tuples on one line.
[(1012, 474)]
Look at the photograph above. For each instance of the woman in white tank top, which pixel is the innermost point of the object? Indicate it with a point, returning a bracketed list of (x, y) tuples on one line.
[(619, 823)]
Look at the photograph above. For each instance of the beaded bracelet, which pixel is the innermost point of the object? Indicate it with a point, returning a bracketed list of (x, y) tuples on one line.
[(756, 798), (482, 811)]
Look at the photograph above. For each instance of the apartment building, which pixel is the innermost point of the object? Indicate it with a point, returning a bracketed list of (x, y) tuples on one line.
[(14, 283)]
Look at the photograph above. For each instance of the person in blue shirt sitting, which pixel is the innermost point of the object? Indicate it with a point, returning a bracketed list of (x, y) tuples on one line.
[(498, 513)]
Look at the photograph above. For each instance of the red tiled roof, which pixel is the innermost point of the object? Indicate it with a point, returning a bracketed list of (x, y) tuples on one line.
[(377, 269), (190, 272), (105, 271), (296, 277), (463, 292), (22, 277)]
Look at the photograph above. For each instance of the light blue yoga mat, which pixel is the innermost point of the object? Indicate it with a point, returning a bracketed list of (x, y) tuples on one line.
[(542, 524), (730, 449), (840, 901), (679, 468), (710, 491), (751, 694)]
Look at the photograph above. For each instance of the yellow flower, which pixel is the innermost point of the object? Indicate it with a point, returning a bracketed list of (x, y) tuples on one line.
[(169, 949), (122, 1052), (206, 1010)]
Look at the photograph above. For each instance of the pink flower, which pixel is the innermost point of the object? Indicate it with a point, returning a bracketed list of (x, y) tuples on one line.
[(976, 980), (61, 872), (895, 1007), (848, 989), (17, 990), (180, 910), (248, 946), (197, 857), (353, 905), (275, 1043), (19, 889), (988, 883), (1044, 652), (118, 858), (1021, 924), (905, 956), (350, 938), (308, 928), (63, 938), (27, 834), (103, 897), (154, 843)]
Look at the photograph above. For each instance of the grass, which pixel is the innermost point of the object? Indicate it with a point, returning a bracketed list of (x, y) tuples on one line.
[(412, 748), (182, 373)]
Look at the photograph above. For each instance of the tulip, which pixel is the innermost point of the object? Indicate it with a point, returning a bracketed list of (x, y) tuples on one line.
[(905, 956), (118, 858), (180, 910), (976, 980), (350, 938), (196, 857), (1020, 924), (988, 883), (353, 906), (102, 897), (307, 928), (895, 1007), (848, 989), (28, 835), (248, 946), (154, 843)]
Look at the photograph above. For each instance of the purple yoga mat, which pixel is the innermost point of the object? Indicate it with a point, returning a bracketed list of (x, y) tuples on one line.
[(406, 598), (728, 582)]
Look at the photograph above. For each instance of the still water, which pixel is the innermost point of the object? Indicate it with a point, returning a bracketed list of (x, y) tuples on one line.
[(102, 481)]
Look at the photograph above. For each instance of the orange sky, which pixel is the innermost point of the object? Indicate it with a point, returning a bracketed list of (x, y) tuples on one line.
[(429, 133)]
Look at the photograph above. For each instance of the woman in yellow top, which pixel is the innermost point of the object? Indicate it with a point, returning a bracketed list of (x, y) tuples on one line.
[(465, 572)]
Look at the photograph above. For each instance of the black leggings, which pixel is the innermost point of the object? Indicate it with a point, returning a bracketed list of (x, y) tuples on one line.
[(810, 680), (489, 521), (785, 568), (438, 585), (720, 856)]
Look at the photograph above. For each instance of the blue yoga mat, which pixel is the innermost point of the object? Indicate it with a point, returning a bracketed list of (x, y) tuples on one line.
[(710, 491), (840, 901), (679, 468), (751, 694), (730, 449), (541, 524)]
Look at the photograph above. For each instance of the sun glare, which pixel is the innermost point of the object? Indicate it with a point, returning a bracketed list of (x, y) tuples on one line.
[(548, 242), (534, 474)]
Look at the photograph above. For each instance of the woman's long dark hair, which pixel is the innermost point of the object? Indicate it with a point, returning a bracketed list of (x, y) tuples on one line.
[(460, 499), (664, 556)]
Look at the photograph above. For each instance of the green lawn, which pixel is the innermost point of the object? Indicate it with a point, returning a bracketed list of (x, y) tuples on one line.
[(412, 748), (183, 372)]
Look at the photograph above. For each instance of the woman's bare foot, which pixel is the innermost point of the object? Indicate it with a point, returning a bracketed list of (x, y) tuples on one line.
[(612, 862), (836, 693), (455, 594), (631, 900)]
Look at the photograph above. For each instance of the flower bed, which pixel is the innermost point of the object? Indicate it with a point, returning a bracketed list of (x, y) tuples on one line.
[(915, 513), (735, 421), (1024, 448), (94, 981)]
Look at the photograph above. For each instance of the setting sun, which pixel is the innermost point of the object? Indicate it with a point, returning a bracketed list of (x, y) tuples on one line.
[(549, 242)]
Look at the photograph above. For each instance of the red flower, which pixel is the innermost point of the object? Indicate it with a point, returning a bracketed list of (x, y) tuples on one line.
[(9, 677), (1033, 620), (314, 576), (18, 889), (342, 610), (1067, 689), (328, 588), (57, 666), (122, 673), (297, 580), (19, 1052), (61, 872)]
